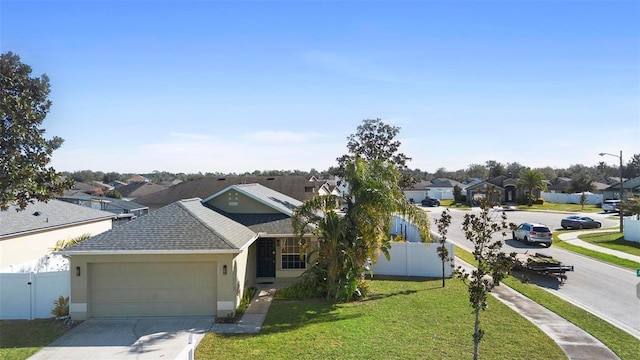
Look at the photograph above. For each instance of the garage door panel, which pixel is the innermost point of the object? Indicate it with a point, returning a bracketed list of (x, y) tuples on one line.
[(152, 289)]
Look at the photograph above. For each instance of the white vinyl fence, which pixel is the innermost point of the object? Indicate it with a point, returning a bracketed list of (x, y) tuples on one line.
[(632, 229), (560, 198), (413, 259), (31, 295)]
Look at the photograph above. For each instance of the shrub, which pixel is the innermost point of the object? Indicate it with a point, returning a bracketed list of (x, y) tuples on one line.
[(538, 202), (61, 307)]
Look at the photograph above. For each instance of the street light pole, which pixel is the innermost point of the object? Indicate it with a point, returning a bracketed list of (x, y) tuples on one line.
[(621, 189)]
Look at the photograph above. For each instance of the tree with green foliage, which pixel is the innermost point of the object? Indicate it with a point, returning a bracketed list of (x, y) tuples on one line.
[(491, 266), (581, 182), (632, 169), (457, 193), (477, 171), (531, 180), (114, 194), (443, 228), (350, 242), (630, 206), (25, 176), (495, 168), (376, 140)]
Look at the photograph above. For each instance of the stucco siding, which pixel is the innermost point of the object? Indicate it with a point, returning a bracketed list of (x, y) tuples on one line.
[(20, 249)]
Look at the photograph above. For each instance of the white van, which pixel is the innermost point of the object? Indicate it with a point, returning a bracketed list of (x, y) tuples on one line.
[(610, 205)]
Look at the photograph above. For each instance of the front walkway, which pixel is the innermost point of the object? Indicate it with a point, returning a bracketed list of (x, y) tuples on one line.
[(253, 317)]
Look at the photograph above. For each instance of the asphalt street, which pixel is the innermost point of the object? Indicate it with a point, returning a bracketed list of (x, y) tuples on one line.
[(602, 289)]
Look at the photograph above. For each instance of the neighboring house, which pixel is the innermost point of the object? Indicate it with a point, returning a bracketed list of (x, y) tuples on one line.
[(137, 179), (139, 189), (559, 185), (297, 187), (439, 188), (123, 209), (505, 186), (417, 192), (32, 233), (84, 188), (562, 184), (118, 184), (169, 183), (630, 188), (191, 258)]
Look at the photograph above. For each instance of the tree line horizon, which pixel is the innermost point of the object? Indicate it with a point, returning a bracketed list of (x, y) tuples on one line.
[(600, 172)]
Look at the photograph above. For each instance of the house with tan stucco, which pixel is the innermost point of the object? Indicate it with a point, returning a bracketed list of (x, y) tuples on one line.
[(32, 233), (193, 257)]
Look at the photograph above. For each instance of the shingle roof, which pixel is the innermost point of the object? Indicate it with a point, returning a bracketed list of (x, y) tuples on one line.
[(138, 189), (293, 186), (262, 223), (41, 216), (119, 203), (185, 225)]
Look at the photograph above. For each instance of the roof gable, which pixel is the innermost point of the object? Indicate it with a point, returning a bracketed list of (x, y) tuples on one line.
[(186, 225), (275, 200)]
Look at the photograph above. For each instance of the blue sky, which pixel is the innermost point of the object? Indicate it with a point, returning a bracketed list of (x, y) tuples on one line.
[(234, 86)]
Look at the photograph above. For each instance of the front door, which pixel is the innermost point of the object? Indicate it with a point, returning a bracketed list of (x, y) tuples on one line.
[(266, 258)]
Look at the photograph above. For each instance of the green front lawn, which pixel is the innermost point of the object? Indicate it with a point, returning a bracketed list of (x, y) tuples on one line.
[(612, 259), (612, 240), (19, 339), (570, 208), (623, 344), (399, 320)]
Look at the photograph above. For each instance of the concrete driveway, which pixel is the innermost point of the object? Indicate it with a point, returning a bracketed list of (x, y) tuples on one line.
[(129, 338)]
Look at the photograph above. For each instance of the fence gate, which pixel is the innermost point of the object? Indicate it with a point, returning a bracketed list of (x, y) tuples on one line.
[(31, 295)]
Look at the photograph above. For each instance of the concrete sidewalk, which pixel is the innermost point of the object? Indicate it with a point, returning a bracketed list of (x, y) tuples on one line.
[(572, 238)]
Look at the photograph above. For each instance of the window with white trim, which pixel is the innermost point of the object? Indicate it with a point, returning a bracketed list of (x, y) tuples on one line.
[(291, 257)]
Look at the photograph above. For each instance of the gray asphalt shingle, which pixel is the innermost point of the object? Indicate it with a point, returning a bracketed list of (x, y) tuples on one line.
[(41, 216), (183, 225)]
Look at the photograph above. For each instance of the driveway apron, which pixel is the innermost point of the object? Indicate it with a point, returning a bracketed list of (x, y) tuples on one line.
[(128, 338)]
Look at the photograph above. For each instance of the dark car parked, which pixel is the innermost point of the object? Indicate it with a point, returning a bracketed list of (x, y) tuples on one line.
[(579, 222), (430, 202)]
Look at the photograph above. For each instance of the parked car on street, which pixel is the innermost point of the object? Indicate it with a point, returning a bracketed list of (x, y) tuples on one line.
[(580, 222), (533, 233), (610, 205), (430, 202)]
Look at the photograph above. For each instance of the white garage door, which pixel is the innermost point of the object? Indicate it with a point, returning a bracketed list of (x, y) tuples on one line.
[(152, 289)]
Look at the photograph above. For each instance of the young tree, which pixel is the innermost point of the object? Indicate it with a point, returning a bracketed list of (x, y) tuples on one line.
[(24, 153), (443, 227), (531, 180), (491, 266)]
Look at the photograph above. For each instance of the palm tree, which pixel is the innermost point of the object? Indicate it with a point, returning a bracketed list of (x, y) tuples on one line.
[(350, 241), (531, 180)]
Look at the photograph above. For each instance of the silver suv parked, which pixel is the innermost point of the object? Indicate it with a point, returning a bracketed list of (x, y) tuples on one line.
[(610, 205), (532, 233)]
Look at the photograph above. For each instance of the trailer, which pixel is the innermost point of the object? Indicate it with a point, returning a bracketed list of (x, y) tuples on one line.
[(543, 264)]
